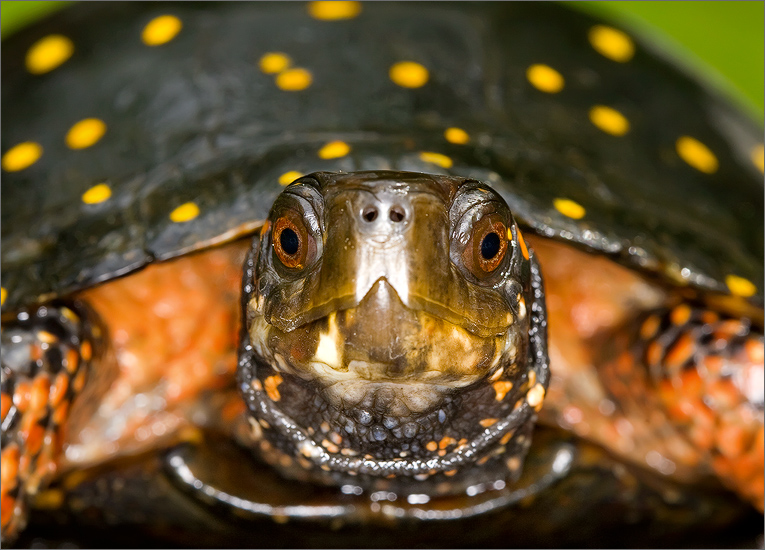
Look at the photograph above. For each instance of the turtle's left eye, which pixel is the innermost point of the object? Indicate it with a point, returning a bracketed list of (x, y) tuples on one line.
[(292, 242), (487, 246)]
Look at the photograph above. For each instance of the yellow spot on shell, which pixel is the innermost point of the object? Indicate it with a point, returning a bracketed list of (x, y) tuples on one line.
[(740, 286), (758, 157), (545, 78), (97, 194), (436, 158), (456, 135), (48, 53), (289, 177), (609, 120), (294, 80), (696, 154), (333, 11), (334, 149), (85, 133), (569, 208), (185, 212), (3, 295), (611, 43), (275, 62), (161, 30), (408, 74), (21, 156)]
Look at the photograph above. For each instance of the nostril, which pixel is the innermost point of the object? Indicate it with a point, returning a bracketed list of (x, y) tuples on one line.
[(396, 214), (369, 213)]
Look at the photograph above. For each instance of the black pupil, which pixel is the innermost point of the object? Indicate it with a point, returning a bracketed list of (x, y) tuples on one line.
[(490, 246), (289, 241)]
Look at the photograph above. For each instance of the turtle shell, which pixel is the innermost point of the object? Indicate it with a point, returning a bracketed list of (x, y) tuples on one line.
[(166, 128)]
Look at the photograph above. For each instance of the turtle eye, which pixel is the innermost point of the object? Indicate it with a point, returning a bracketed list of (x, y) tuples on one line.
[(292, 242), (487, 246)]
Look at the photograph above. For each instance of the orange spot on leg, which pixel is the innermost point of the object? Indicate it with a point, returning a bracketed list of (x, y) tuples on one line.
[(7, 504), (9, 467), (5, 405), (40, 392)]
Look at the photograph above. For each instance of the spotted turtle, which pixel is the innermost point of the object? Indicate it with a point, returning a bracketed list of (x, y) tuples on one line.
[(453, 219)]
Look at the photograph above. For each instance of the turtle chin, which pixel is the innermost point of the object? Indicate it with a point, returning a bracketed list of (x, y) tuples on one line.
[(379, 393)]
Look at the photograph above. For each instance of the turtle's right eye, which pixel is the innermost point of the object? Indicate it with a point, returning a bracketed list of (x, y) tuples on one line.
[(293, 244)]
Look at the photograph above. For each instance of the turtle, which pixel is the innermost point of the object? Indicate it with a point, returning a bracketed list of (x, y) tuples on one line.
[(333, 274)]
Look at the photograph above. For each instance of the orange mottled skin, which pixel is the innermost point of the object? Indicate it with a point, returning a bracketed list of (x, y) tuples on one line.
[(174, 329), (684, 425)]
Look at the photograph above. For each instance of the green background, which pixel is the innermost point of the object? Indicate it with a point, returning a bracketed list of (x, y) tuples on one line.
[(724, 41)]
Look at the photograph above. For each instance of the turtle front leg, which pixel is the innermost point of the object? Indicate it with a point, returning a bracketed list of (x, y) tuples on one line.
[(47, 358), (703, 372)]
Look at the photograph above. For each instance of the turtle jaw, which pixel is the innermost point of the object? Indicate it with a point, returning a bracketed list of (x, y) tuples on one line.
[(345, 394)]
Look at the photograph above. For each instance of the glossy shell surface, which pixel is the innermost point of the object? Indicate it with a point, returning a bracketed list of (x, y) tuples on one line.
[(167, 128)]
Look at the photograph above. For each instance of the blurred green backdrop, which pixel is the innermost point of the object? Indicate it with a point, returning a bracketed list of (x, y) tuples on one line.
[(722, 40)]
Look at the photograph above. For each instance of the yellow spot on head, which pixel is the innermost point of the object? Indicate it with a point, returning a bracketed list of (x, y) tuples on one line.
[(294, 80), (85, 133), (431, 446), (275, 62), (545, 79), (48, 53), (521, 241), (696, 154), (3, 295), (740, 286), (611, 43), (21, 156), (456, 135), (501, 388), (609, 120), (536, 396), (333, 11), (436, 158), (289, 177), (97, 194), (569, 208), (334, 150), (161, 30), (185, 212), (69, 314), (487, 422), (46, 337), (271, 384), (758, 157), (327, 350), (408, 74)]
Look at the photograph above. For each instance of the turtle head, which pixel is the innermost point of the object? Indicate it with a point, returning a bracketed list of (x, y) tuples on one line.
[(394, 330)]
